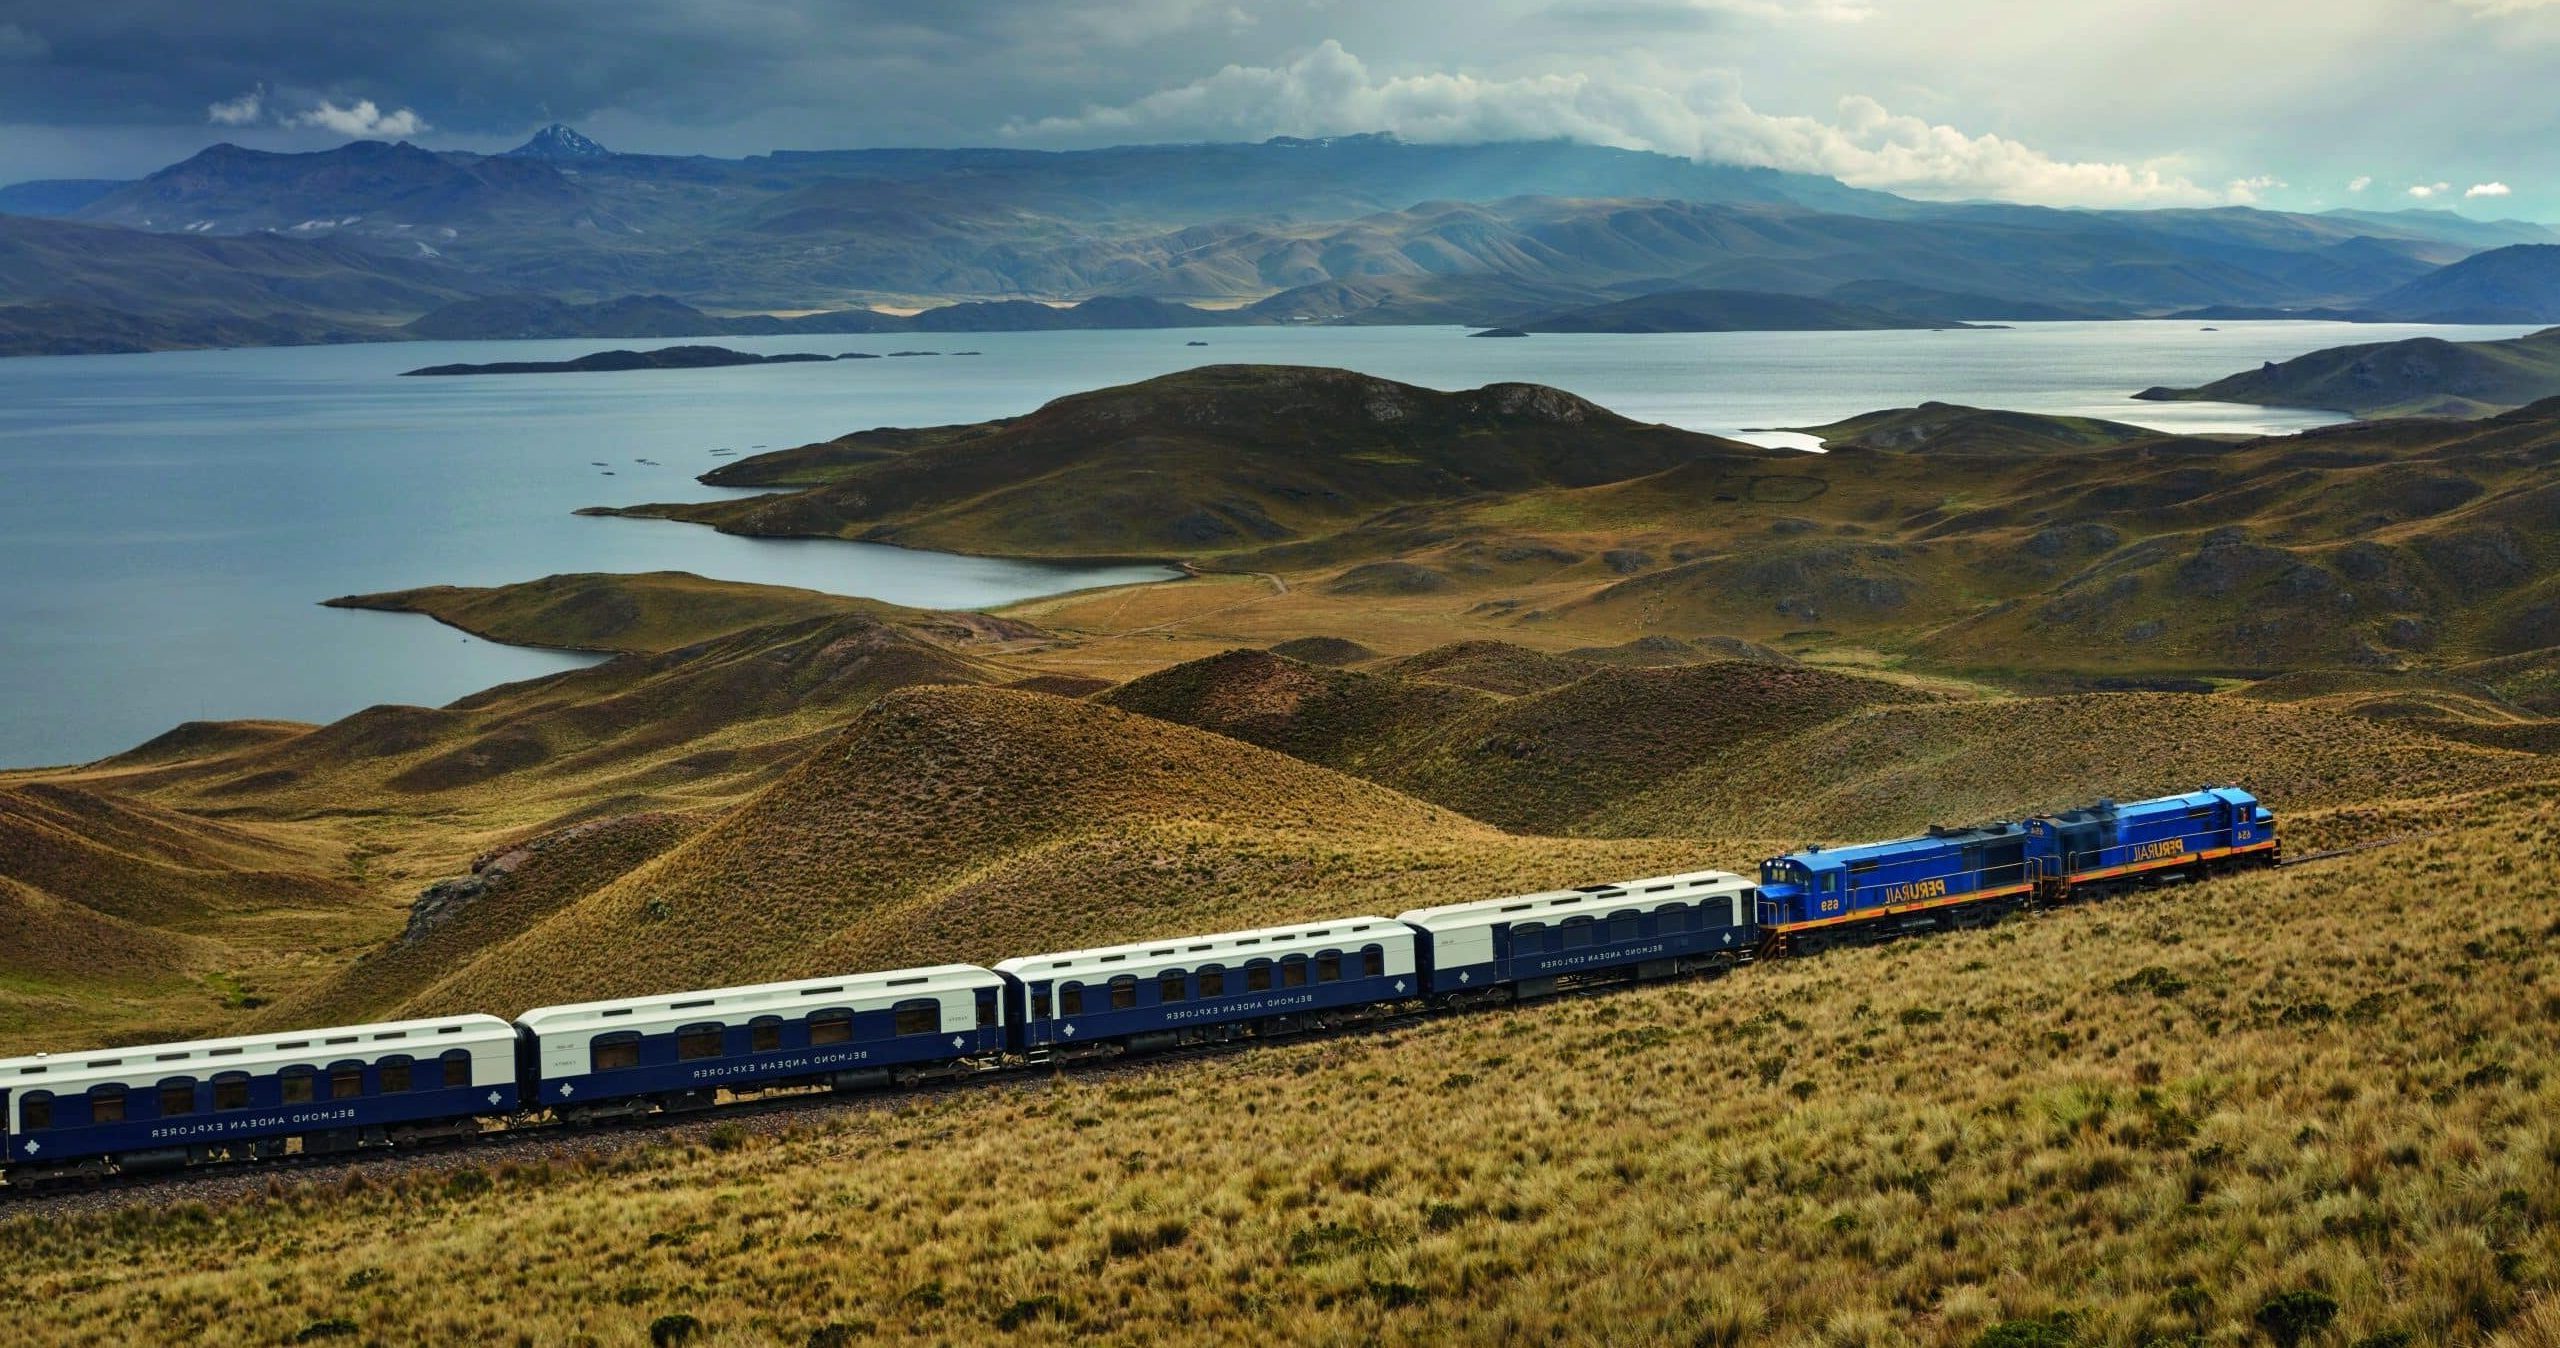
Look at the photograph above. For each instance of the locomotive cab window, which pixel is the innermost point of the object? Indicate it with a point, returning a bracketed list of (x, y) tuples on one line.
[(346, 1080), (831, 1027), (35, 1113), (231, 1091), (297, 1085), (764, 1035), (614, 1052), (457, 1068), (1124, 992), (1373, 962), (700, 1041), (106, 1105), (922, 1016)]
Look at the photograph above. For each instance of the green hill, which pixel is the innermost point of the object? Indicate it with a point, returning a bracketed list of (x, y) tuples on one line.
[(1195, 464), (2422, 376)]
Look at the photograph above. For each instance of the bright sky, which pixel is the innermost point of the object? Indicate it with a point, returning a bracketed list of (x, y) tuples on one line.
[(2301, 104)]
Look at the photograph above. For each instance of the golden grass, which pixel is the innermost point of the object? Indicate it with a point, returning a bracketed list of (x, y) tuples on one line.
[(2150, 1118)]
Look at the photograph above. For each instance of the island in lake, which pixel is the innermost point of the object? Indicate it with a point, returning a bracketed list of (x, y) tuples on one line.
[(665, 358)]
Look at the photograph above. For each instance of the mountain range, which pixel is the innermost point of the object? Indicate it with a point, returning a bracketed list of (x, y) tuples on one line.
[(1339, 229)]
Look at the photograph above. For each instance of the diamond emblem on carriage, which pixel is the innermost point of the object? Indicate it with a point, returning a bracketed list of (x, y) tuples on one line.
[(567, 1090), (34, 1147), (494, 1097), (1399, 985), (1466, 978), (959, 1041), (1067, 1030)]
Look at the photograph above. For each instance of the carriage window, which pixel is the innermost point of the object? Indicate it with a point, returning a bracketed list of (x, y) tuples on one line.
[(1213, 982), (1124, 992), (700, 1041), (765, 1035), (457, 1068), (1293, 972), (917, 1017), (1623, 927), (831, 1027), (1171, 987), (1257, 976), (106, 1105), (346, 1081), (1528, 938), (35, 1113), (297, 1085), (1040, 1004), (1329, 967), (1674, 916), (176, 1098), (231, 1092), (395, 1075), (1373, 962), (1577, 931), (614, 1052), (1071, 1000)]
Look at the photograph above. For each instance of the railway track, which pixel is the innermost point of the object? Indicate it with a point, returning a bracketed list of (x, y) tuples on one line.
[(773, 1110)]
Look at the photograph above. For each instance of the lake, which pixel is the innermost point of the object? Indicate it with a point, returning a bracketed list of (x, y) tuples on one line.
[(169, 522)]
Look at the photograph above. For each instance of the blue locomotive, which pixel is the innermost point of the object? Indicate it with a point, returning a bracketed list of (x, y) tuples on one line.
[(256, 1097), (1954, 877)]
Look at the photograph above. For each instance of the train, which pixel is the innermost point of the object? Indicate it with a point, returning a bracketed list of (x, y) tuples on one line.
[(360, 1088)]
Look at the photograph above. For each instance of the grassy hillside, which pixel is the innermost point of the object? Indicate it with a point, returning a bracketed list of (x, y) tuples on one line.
[(1198, 463), (2324, 1091), (954, 823), (2421, 376), (654, 612)]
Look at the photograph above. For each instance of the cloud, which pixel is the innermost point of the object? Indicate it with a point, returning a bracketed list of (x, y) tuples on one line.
[(1329, 91), (241, 111), (361, 118), (2246, 191), (2502, 8), (20, 44), (2360, 182), (2489, 190), (2422, 191)]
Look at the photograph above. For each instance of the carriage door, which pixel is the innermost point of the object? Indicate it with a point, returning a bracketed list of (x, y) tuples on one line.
[(1040, 1017)]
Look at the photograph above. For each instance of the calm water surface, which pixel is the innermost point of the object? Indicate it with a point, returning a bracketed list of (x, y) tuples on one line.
[(168, 522)]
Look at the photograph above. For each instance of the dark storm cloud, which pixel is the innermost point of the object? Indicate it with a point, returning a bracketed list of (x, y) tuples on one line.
[(497, 65)]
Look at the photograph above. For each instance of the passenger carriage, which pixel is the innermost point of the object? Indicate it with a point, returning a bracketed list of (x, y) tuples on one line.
[(1157, 994), (160, 1106), (679, 1050), (1528, 945)]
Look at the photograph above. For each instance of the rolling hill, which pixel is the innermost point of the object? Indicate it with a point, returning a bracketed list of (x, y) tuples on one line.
[(2420, 376), (2519, 283), (1723, 311), (1198, 463)]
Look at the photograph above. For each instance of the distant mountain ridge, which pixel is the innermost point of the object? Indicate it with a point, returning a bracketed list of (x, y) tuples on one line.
[(1346, 229), (1724, 311), (2515, 284)]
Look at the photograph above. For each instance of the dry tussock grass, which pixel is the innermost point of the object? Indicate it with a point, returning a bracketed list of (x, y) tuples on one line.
[(2182, 1118)]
